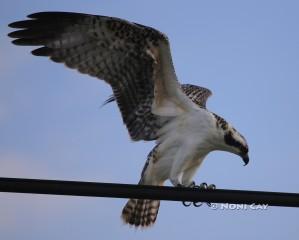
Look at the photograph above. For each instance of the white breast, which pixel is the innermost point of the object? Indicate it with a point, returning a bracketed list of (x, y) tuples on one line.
[(187, 137)]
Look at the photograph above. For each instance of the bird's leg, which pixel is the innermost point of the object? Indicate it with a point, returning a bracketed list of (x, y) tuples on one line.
[(176, 180), (177, 171)]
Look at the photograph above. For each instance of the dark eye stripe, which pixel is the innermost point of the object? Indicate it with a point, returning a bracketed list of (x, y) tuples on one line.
[(229, 140)]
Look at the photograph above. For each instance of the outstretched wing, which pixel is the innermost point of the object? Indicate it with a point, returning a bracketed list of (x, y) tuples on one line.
[(134, 59), (197, 94)]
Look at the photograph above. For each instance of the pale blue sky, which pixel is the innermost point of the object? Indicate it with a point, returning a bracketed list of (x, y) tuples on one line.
[(52, 126)]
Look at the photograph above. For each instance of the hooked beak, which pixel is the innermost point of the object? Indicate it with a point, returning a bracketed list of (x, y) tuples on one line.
[(245, 159)]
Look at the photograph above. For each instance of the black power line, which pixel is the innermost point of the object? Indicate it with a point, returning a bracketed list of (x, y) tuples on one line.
[(92, 189)]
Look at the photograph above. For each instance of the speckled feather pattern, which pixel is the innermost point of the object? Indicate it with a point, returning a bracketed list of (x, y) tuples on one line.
[(108, 48)]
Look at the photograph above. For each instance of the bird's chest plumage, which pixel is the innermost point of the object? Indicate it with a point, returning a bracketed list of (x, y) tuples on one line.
[(184, 141), (193, 128)]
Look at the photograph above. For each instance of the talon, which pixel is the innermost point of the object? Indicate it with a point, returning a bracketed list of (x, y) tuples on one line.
[(203, 185), (211, 187), (186, 204), (197, 204), (179, 185)]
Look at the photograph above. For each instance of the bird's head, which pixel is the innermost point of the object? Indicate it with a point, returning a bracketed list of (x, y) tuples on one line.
[(231, 140), (236, 143)]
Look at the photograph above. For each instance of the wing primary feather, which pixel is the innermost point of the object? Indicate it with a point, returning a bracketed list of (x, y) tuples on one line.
[(28, 42), (43, 51)]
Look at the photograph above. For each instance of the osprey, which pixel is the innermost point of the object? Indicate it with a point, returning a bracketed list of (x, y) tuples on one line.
[(135, 60)]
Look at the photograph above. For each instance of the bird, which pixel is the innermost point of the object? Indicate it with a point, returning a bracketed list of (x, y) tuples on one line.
[(135, 60)]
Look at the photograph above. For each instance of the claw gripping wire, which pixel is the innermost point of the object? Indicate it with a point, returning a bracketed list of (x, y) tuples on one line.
[(202, 186)]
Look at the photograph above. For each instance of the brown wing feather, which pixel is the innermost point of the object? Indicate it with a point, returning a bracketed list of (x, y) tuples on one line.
[(197, 94), (108, 48)]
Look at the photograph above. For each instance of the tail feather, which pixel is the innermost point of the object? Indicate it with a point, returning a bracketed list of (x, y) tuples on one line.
[(140, 212)]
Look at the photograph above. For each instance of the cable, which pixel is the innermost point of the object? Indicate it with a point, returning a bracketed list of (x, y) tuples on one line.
[(113, 190)]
